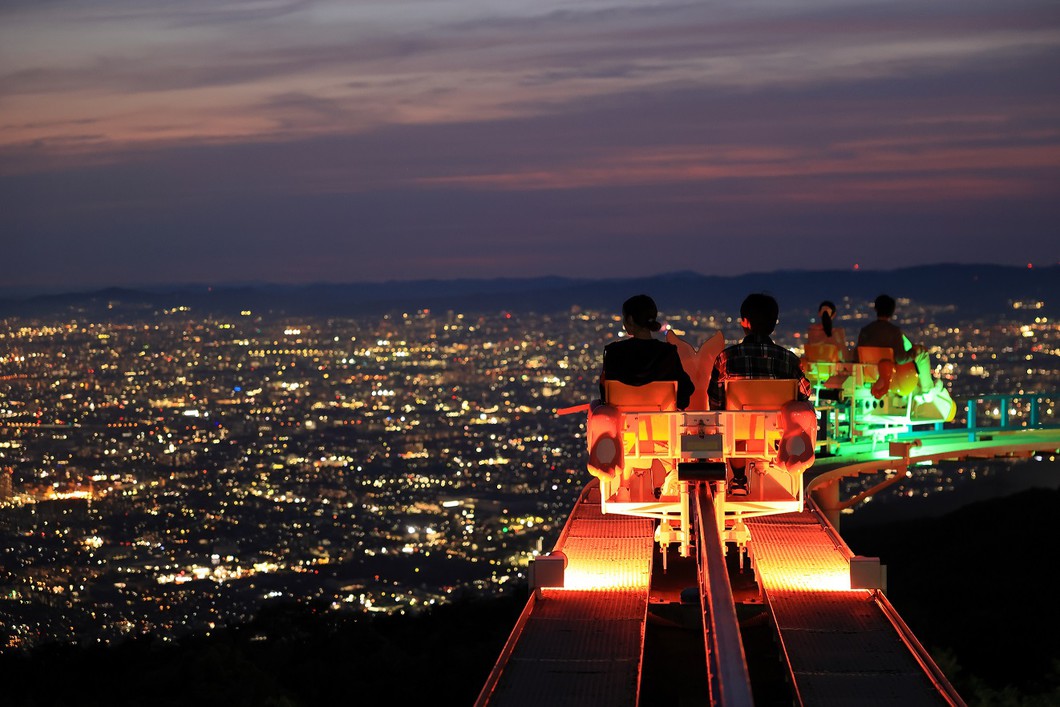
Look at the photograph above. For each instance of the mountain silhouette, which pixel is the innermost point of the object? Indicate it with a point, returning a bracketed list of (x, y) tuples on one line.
[(969, 290)]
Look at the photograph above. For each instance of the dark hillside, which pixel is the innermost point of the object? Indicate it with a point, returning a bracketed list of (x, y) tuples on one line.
[(974, 290), (290, 656), (977, 586)]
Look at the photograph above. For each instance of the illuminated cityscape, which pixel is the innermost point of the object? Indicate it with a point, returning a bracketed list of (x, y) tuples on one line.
[(176, 473)]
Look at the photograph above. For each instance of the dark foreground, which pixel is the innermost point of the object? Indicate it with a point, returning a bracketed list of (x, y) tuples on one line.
[(975, 586)]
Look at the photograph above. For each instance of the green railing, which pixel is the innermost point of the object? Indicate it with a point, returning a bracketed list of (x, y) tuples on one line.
[(998, 412), (1030, 408)]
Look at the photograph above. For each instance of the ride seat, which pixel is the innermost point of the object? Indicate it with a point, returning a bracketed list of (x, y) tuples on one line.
[(753, 394), (783, 435), (874, 354), (819, 362), (657, 396), (823, 353), (876, 369), (759, 393), (653, 435)]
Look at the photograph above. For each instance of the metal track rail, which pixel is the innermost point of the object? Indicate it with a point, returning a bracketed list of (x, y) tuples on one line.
[(730, 684)]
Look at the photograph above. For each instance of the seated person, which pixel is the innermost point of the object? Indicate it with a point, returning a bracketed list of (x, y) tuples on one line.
[(883, 332), (641, 359), (825, 332), (754, 357)]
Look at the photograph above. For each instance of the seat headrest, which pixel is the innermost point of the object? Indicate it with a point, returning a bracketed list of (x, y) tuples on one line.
[(654, 396), (759, 393), (874, 354)]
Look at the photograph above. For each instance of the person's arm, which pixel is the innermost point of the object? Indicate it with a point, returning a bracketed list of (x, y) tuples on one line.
[(603, 373), (840, 337), (673, 370), (685, 388), (716, 389), (795, 371), (915, 352), (904, 352)]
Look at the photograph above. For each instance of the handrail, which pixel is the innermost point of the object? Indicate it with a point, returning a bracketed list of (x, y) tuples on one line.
[(1033, 419), (920, 654), (493, 679), (730, 684), (1026, 394), (971, 424)]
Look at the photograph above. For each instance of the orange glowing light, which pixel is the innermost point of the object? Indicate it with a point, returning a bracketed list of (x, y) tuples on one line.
[(799, 577), (606, 570)]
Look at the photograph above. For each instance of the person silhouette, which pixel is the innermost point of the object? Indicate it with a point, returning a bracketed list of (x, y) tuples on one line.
[(885, 333), (825, 332), (640, 358), (754, 357)]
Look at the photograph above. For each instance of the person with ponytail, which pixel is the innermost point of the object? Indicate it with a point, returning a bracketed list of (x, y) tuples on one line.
[(639, 358), (824, 331)]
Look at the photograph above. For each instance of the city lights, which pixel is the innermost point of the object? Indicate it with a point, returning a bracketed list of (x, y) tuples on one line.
[(187, 470)]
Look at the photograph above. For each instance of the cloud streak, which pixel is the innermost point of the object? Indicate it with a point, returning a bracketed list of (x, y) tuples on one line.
[(513, 130)]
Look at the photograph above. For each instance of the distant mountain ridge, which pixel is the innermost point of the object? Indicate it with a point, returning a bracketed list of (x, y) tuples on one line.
[(971, 289)]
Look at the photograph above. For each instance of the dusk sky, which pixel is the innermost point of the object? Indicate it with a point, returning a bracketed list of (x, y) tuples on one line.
[(288, 141)]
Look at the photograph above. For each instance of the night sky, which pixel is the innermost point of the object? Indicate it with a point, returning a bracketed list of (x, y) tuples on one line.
[(288, 141)]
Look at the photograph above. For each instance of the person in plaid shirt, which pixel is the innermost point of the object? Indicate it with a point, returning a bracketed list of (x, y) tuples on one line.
[(754, 357)]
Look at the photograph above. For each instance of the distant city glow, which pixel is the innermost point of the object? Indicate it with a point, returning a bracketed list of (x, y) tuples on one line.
[(177, 449)]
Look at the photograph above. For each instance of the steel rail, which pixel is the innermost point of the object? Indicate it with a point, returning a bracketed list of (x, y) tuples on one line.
[(730, 683)]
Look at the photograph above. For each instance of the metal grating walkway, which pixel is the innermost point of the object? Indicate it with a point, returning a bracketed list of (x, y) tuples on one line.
[(582, 645), (841, 647)]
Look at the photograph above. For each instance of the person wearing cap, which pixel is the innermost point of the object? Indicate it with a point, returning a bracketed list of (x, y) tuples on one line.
[(640, 358)]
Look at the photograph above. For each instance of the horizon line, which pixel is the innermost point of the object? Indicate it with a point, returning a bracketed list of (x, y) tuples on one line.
[(24, 292)]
